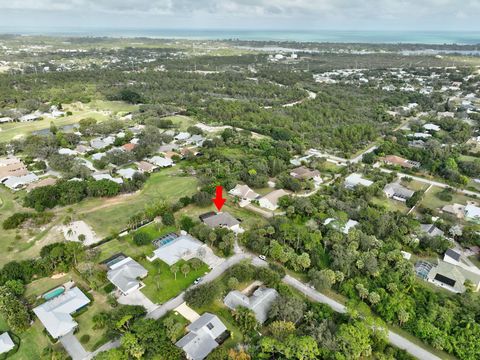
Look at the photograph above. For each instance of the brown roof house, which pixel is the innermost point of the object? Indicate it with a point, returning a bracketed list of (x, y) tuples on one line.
[(399, 161), (304, 173)]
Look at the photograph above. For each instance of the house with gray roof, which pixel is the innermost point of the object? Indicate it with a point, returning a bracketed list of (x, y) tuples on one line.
[(205, 334), (127, 173), (431, 230), (259, 302), (222, 219), (398, 192), (355, 179), (452, 277), (56, 314), (18, 182), (126, 275), (244, 193)]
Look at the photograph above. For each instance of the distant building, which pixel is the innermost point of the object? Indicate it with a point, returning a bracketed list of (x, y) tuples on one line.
[(66, 151), (431, 230), (145, 167), (345, 228), (205, 334), (56, 314), (19, 182), (431, 127), (222, 219), (5, 119), (455, 209), (126, 275), (397, 160), (304, 173), (398, 192), (127, 173), (260, 301), (355, 179), (472, 213), (12, 166), (160, 161), (244, 192), (270, 201), (99, 177), (128, 147)]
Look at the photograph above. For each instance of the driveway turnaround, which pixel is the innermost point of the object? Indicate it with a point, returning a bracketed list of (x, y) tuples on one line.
[(73, 347)]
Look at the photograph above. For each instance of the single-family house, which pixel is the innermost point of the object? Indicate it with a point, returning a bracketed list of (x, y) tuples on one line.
[(5, 119), (452, 256), (355, 179), (126, 275), (204, 335), (431, 127), (56, 314), (127, 173), (83, 149), (455, 209), (67, 151), (160, 161), (270, 201), (30, 117), (397, 160), (431, 230), (6, 343), (182, 136), (345, 228), (259, 302), (18, 182), (196, 140), (12, 166), (244, 193), (145, 167), (175, 248), (304, 173), (98, 156), (128, 147), (452, 277), (222, 219), (472, 213), (398, 192), (99, 177)]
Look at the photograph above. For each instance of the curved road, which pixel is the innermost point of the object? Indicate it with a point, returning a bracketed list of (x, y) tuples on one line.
[(394, 338)]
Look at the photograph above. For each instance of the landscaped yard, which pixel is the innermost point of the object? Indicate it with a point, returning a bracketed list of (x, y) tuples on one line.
[(430, 199), (390, 204), (85, 322), (161, 284)]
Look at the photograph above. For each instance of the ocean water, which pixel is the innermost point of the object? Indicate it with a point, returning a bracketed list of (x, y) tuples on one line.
[(337, 36)]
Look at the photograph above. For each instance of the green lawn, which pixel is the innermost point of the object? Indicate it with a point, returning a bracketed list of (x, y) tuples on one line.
[(431, 201), (181, 122), (111, 215), (161, 284), (41, 286), (390, 204), (85, 322)]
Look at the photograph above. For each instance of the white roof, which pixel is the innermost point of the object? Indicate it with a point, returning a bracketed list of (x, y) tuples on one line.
[(345, 229), (274, 196), (178, 248), (431, 127), (55, 314), (124, 274), (472, 211), (127, 173), (5, 119), (357, 179), (66, 151), (107, 177), (98, 156), (244, 192), (182, 136), (160, 161), (6, 343), (15, 182)]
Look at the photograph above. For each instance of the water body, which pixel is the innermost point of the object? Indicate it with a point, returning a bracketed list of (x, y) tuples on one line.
[(337, 36)]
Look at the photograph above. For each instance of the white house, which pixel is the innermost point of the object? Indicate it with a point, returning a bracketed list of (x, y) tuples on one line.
[(55, 314), (355, 179), (126, 275), (270, 201), (398, 192), (244, 193), (431, 127), (222, 219), (472, 213), (127, 173), (99, 177), (160, 161)]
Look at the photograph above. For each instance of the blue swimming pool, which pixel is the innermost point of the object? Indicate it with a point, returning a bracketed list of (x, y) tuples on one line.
[(54, 293), (164, 240)]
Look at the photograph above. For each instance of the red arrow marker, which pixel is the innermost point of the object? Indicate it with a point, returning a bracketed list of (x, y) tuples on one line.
[(218, 200)]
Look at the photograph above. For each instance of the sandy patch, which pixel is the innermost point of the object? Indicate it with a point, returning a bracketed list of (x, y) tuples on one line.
[(73, 231)]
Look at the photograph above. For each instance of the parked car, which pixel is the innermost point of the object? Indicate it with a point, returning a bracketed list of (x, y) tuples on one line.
[(197, 280), (262, 257)]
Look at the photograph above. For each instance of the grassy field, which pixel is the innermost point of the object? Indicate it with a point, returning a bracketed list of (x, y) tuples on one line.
[(390, 204), (111, 215), (181, 122), (430, 199), (161, 284)]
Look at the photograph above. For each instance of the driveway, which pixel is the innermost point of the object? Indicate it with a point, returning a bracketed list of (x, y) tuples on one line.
[(137, 298), (73, 347), (187, 312)]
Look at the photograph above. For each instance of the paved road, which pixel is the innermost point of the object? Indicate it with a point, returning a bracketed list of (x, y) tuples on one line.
[(240, 255), (393, 338), (431, 182)]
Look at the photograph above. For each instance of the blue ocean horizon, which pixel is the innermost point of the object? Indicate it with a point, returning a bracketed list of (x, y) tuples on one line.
[(333, 36)]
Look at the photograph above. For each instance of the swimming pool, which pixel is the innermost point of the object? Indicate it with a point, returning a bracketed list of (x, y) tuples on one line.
[(54, 293), (165, 239)]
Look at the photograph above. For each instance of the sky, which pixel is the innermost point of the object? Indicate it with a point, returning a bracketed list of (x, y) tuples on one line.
[(448, 15)]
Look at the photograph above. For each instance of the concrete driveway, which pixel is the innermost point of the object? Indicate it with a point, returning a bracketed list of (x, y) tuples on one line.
[(73, 347), (187, 312), (137, 298)]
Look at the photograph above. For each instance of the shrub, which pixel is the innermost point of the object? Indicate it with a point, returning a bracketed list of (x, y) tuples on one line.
[(85, 338), (202, 295), (141, 238)]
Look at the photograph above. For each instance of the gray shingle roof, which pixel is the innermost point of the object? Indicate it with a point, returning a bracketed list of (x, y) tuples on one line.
[(259, 302), (125, 274), (221, 219)]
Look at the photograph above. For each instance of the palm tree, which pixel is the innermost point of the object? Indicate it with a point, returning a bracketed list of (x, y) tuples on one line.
[(174, 269), (185, 269), (70, 232)]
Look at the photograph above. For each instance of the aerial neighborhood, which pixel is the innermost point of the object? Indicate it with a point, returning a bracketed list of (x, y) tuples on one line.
[(187, 199)]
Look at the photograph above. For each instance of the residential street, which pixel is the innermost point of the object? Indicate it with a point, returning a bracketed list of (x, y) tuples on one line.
[(240, 255)]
